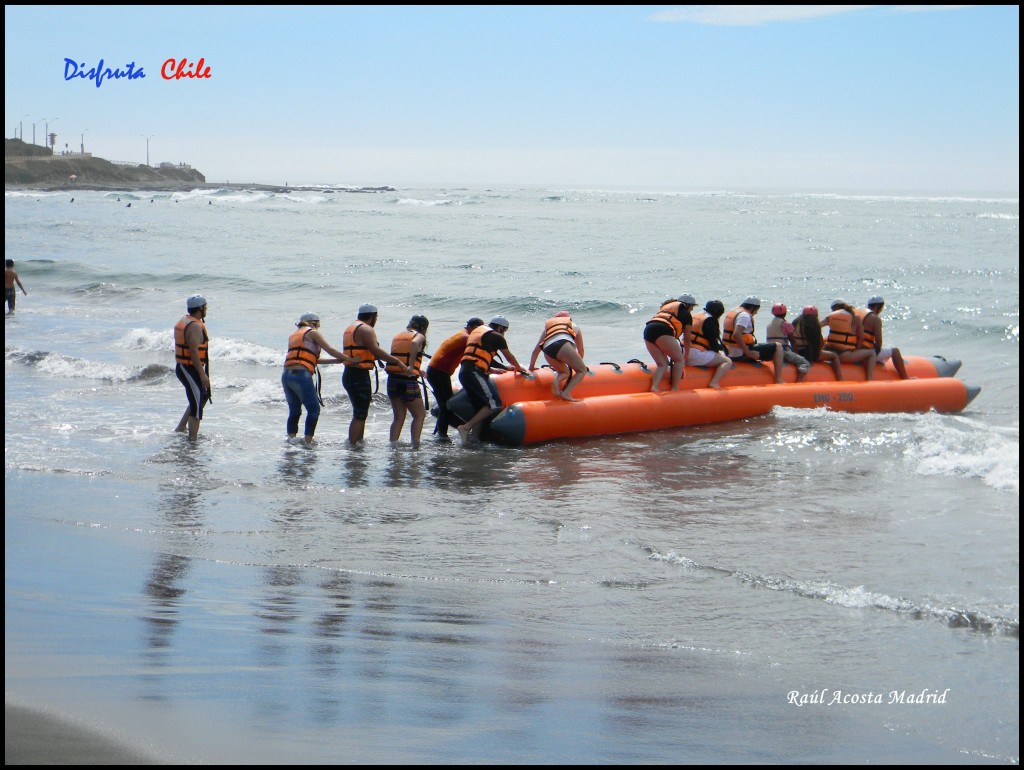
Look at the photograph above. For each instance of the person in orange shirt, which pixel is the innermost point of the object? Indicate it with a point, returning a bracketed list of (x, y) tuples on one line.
[(444, 362)]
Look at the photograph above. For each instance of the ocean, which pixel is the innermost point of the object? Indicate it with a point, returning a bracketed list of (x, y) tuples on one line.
[(802, 587)]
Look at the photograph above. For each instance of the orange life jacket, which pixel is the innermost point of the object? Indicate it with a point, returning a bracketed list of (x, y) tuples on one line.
[(557, 325), (668, 314), (366, 358), (869, 338), (697, 338), (729, 326), (182, 353), (475, 352), (401, 348), (841, 335), (301, 350), (449, 353)]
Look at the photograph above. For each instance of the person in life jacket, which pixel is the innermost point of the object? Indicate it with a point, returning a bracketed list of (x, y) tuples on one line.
[(706, 342), (846, 337), (740, 342), (362, 346), (562, 345), (404, 390), (667, 337), (484, 343), (808, 342), (192, 363), (301, 363), (443, 364), (780, 331), (871, 320)]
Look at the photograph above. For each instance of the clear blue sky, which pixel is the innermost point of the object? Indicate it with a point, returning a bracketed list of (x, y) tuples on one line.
[(818, 98)]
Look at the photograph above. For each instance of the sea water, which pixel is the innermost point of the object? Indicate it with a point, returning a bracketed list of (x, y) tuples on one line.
[(806, 586)]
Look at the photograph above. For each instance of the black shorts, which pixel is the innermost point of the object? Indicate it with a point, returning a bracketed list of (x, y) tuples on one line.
[(554, 347), (656, 329), (478, 386), (357, 384), (766, 351)]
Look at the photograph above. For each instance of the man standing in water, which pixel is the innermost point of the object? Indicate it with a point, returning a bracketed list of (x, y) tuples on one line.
[(361, 344), (192, 367), (10, 279)]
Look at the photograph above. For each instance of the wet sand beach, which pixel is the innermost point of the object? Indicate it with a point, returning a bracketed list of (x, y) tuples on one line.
[(32, 737)]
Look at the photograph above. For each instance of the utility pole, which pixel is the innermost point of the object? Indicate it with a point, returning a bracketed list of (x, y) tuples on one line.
[(147, 138)]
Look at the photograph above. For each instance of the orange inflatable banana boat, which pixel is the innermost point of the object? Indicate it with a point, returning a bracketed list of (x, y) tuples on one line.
[(617, 399)]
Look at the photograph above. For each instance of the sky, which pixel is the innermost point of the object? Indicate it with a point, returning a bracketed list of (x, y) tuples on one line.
[(845, 98)]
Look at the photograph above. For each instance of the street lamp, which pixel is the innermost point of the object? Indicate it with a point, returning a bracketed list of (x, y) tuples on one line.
[(147, 138), (83, 140), (21, 125), (46, 139), (41, 120)]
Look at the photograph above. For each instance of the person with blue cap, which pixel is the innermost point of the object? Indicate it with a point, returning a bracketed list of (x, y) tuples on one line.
[(484, 343), (192, 363), (361, 345)]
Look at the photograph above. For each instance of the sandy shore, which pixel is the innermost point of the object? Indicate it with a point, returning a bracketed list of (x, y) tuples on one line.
[(34, 738)]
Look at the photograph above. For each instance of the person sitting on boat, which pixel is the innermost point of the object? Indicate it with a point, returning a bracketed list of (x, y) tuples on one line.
[(484, 343), (443, 364), (808, 342), (662, 335), (706, 347), (871, 320), (740, 342), (780, 331), (846, 337), (404, 388), (562, 345)]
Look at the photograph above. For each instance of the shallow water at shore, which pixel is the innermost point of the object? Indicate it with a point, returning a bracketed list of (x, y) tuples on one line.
[(645, 598)]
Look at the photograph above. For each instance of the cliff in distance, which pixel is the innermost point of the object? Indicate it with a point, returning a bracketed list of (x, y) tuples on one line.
[(33, 167)]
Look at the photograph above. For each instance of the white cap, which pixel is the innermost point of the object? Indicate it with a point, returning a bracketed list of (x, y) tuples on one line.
[(837, 302), (751, 301), (499, 320), (196, 300), (876, 300), (308, 317), (687, 299), (367, 308)]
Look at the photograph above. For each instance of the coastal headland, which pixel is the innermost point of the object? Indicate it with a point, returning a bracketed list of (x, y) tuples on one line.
[(31, 167)]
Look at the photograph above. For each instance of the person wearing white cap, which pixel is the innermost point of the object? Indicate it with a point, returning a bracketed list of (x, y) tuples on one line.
[(561, 342), (871, 319), (192, 363), (846, 337), (301, 363), (362, 346), (667, 337), (740, 342), (484, 343)]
